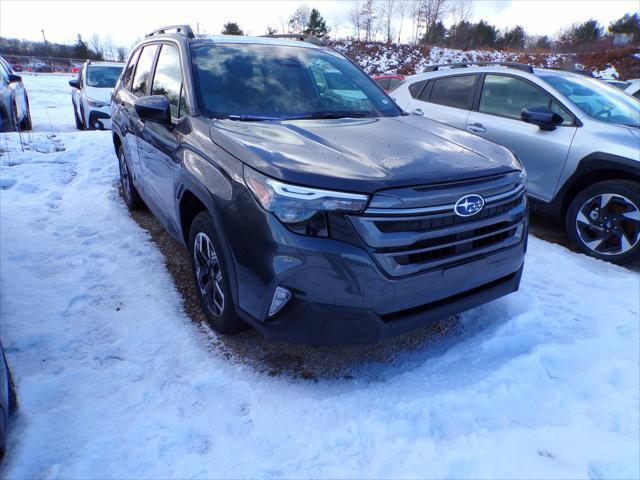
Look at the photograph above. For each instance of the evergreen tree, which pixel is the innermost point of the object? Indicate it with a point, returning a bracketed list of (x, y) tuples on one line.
[(316, 25), (513, 39), (231, 28), (80, 48)]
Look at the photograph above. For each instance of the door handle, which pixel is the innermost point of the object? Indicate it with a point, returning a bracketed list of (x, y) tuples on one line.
[(417, 111), (140, 124), (476, 127)]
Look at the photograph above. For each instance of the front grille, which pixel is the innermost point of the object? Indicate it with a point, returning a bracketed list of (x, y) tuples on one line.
[(405, 244)]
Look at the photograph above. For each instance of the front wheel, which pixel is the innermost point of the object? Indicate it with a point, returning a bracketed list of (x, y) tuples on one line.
[(131, 195), (210, 274), (604, 221)]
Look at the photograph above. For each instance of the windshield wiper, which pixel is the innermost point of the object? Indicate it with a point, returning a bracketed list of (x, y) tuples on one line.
[(331, 115), (252, 118)]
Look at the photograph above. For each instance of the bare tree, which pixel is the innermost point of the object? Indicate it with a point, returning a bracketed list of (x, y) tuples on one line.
[(122, 54), (299, 19), (370, 25), (387, 18), (401, 9), (461, 11), (95, 44), (355, 18), (109, 47)]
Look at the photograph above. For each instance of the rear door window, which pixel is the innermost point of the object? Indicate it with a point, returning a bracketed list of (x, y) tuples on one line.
[(142, 77), (455, 91), (384, 82)]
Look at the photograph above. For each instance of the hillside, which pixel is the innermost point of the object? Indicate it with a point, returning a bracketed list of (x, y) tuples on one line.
[(623, 63)]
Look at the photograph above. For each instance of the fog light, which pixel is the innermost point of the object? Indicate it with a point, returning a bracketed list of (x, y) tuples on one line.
[(280, 298)]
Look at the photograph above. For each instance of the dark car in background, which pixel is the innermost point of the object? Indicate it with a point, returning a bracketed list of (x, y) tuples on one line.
[(314, 209), (15, 114)]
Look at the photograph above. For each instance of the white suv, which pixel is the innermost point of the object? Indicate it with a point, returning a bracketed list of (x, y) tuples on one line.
[(578, 138), (91, 94)]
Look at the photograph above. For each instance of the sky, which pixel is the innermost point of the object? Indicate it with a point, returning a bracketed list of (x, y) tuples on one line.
[(126, 21)]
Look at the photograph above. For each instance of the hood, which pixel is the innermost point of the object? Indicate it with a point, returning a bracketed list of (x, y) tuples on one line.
[(362, 155), (100, 94)]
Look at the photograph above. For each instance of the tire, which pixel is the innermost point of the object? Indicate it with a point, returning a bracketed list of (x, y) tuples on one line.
[(130, 193), (75, 114), (210, 276), (603, 220), (83, 125), (26, 123)]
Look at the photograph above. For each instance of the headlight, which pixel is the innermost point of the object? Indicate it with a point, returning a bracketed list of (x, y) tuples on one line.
[(96, 104), (301, 209)]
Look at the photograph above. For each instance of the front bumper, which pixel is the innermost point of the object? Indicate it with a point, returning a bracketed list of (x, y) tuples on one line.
[(99, 118), (341, 295)]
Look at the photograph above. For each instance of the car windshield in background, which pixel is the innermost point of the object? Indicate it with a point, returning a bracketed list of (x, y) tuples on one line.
[(103, 77), (598, 100), (271, 82)]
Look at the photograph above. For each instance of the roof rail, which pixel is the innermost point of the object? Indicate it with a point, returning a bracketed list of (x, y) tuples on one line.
[(303, 37), (180, 30), (520, 66)]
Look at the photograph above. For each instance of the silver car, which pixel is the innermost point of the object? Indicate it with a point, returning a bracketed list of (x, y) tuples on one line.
[(578, 138)]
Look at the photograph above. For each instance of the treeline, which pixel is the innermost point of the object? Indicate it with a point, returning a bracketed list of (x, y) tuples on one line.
[(424, 22), (96, 48)]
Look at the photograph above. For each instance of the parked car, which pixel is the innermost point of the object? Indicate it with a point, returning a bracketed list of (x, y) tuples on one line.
[(16, 67), (617, 83), (91, 94), (577, 137), (314, 216), (15, 114), (633, 88), (7, 401), (389, 81), (42, 68)]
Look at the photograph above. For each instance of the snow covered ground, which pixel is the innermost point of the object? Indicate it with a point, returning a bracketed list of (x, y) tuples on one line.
[(114, 381)]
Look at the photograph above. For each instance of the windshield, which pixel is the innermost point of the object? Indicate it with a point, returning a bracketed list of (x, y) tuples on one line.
[(272, 82), (597, 99), (103, 77)]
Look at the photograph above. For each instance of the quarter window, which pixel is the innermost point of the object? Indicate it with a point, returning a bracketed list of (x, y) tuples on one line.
[(128, 73), (508, 96), (167, 80), (456, 91), (143, 70)]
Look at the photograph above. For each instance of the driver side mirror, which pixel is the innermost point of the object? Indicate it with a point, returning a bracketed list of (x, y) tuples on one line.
[(74, 83), (541, 116), (14, 78), (154, 108)]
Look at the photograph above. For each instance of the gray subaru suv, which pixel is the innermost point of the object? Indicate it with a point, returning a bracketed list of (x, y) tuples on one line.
[(578, 138), (313, 208)]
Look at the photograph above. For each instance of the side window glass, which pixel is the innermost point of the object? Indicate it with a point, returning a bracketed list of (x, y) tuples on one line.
[(557, 108), (507, 96), (167, 79), (415, 89), (142, 75), (128, 73), (394, 83), (384, 82), (456, 91), (637, 94), (183, 110)]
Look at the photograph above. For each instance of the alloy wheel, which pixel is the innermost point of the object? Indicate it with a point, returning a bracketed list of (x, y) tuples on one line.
[(608, 224), (125, 178), (209, 273)]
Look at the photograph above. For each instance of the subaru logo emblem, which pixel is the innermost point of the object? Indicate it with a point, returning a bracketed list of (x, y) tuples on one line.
[(468, 205)]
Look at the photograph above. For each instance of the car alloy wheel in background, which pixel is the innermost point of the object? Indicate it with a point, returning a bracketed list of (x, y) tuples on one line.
[(605, 221)]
